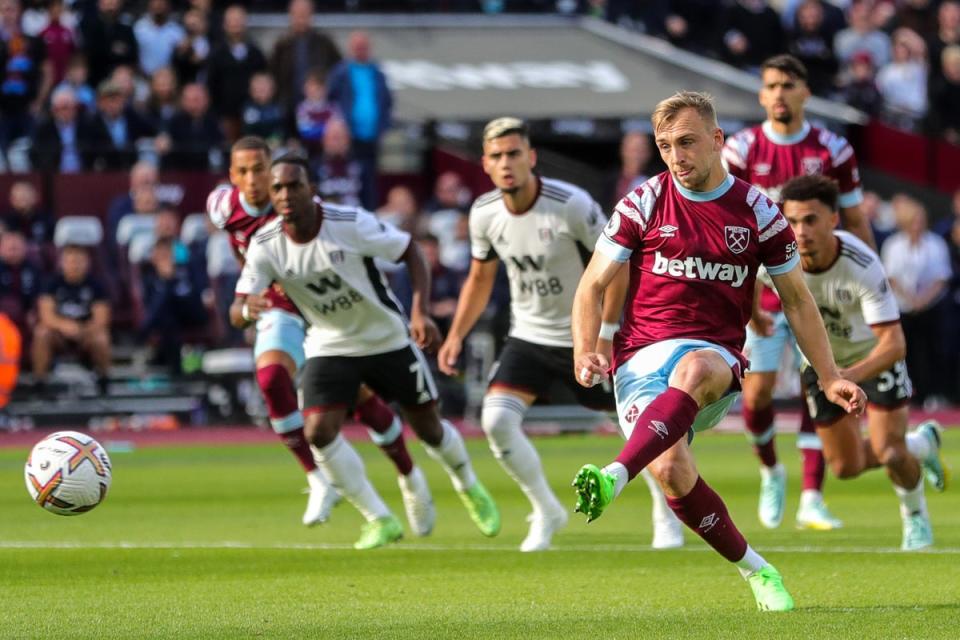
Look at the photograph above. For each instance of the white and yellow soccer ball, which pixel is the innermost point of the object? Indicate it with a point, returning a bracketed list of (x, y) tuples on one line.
[(68, 473)]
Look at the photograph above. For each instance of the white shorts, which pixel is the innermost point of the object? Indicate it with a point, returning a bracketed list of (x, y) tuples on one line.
[(647, 374), (279, 330), (765, 353)]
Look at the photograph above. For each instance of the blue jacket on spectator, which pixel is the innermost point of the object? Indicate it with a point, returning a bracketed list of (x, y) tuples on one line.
[(345, 86)]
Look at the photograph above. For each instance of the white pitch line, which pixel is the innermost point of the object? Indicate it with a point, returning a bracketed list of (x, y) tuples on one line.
[(322, 546)]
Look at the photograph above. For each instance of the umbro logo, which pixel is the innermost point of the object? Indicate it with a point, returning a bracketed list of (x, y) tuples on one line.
[(709, 522), (668, 231), (659, 428)]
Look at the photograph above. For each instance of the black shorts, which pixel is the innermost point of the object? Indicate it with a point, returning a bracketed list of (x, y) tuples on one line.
[(534, 368), (402, 376), (888, 391)]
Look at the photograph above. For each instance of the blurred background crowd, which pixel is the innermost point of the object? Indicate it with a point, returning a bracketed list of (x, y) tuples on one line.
[(167, 85)]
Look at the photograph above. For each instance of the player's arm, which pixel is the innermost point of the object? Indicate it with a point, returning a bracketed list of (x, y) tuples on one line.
[(249, 302), (801, 311), (590, 366), (612, 310), (422, 328), (474, 296), (891, 346), (855, 221)]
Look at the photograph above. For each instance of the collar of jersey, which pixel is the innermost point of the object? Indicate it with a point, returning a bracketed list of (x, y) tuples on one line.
[(705, 196), (779, 138), (253, 211)]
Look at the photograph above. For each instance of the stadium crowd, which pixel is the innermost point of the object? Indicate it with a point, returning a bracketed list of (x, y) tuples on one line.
[(170, 84)]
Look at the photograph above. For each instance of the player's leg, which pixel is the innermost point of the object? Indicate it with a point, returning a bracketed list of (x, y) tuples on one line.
[(278, 353), (704, 512), (329, 386), (765, 354), (887, 431), (404, 375), (812, 512)]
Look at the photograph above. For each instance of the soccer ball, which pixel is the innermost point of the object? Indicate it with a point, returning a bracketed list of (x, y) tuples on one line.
[(67, 473)]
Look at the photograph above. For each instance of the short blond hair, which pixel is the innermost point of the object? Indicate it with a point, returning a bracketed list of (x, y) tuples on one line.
[(667, 110)]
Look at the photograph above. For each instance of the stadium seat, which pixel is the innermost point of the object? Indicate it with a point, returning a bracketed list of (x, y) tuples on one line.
[(86, 231), (139, 248), (133, 225), (193, 229)]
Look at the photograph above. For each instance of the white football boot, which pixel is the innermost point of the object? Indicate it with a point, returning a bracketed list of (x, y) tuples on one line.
[(417, 502), (323, 498)]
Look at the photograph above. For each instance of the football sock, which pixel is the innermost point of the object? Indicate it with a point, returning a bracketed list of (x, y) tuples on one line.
[(917, 444), (811, 452), (760, 432), (386, 431), (620, 476), (451, 453), (501, 420), (704, 513), (810, 496), (660, 509), (279, 394), (661, 425), (912, 500), (345, 471), (750, 563)]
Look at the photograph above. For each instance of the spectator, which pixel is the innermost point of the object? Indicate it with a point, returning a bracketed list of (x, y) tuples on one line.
[(455, 251), (951, 336), (26, 76), (945, 98), (262, 114), (300, 50), (449, 192), (359, 88), (833, 16), (445, 284), (948, 34), (862, 36), (135, 90), (157, 36), (191, 56), (108, 41), (116, 129), (173, 303), (339, 175), (916, 15), (918, 264), (636, 152), (73, 313), (163, 101), (313, 113), (143, 177), (944, 226), (860, 85), (401, 210), (59, 41), (903, 82), (20, 280), (811, 42), (26, 216), (750, 33), (230, 72), (195, 133), (75, 79), (62, 142), (880, 215), (690, 24)]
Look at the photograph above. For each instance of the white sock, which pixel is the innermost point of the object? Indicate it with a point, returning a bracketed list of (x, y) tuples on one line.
[(620, 474), (452, 456), (343, 468), (315, 478), (660, 509), (810, 496), (918, 444), (750, 563), (776, 470), (912, 500), (389, 436), (501, 419)]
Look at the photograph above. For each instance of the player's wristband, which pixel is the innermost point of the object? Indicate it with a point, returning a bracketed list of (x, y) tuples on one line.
[(607, 329), (245, 312)]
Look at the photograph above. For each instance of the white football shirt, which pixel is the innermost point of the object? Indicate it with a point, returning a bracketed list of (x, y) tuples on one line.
[(852, 294), (545, 250), (333, 280)]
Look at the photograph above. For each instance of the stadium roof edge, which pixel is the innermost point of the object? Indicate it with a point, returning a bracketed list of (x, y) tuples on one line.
[(663, 50)]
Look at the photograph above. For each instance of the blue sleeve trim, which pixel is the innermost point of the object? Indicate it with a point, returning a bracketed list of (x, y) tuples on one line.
[(850, 199), (612, 250), (787, 266)]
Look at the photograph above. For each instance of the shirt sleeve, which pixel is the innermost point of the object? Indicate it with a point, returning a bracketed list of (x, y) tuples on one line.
[(778, 245), (846, 173), (586, 220), (378, 239), (624, 230), (877, 302), (257, 273), (480, 246), (940, 259), (218, 205)]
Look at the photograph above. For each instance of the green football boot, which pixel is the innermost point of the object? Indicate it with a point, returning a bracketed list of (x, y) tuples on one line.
[(595, 488), (379, 533), (482, 509), (768, 589)]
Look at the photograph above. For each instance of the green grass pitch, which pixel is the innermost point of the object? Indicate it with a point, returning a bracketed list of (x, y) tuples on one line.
[(207, 543)]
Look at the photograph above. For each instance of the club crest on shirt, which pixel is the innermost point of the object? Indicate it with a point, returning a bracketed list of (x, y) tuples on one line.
[(613, 224), (738, 238), (336, 257), (812, 166), (546, 235), (761, 169)]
